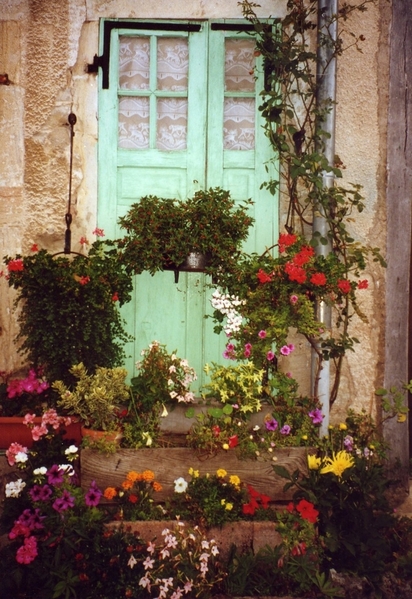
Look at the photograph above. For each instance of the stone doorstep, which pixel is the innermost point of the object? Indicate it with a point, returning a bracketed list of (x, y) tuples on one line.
[(245, 535)]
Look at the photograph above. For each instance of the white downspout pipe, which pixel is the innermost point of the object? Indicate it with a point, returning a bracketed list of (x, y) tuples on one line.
[(326, 96)]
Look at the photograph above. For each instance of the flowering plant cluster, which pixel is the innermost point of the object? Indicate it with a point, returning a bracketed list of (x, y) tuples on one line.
[(210, 499), (21, 395), (184, 564), (80, 307), (134, 498), (297, 527), (162, 378), (267, 296)]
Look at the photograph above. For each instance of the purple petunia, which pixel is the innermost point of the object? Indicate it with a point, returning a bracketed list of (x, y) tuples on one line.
[(271, 425), (92, 497), (40, 493), (316, 416), (285, 430), (55, 475), (63, 502)]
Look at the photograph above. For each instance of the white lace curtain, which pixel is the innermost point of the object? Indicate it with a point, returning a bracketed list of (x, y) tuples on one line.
[(172, 76)]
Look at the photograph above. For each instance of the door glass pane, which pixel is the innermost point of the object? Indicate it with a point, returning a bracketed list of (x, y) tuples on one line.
[(239, 65), (133, 124), (239, 124), (134, 62), (171, 123), (172, 64)]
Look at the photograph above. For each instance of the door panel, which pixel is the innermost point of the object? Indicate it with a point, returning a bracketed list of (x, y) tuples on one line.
[(147, 146)]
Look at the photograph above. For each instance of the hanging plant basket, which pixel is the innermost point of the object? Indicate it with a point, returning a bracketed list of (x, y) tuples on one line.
[(194, 262)]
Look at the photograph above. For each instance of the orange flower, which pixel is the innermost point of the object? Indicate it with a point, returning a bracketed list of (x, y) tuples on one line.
[(109, 493), (127, 484), (148, 475), (133, 476), (157, 486)]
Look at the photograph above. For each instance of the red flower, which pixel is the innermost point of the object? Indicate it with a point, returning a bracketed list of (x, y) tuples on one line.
[(307, 511), (318, 278), (216, 430), (290, 507), (344, 285), (303, 256), (263, 277), (250, 508), (115, 297), (34, 248), (295, 273), (285, 240), (265, 499), (299, 549), (233, 441), (84, 280), (133, 498), (363, 284), (15, 265)]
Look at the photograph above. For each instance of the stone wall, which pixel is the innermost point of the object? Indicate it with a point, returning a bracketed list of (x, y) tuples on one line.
[(45, 47)]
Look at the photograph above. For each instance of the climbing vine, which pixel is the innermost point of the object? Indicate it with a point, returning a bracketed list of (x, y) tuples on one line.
[(295, 115)]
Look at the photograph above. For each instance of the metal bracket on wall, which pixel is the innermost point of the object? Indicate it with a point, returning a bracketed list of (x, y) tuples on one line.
[(102, 61)]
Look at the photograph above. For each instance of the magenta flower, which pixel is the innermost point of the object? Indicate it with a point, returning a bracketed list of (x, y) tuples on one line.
[(246, 353), (55, 475), (293, 299), (262, 334), (92, 497), (348, 443), (285, 430), (28, 551), (64, 502), (285, 350), (270, 355), (316, 416), (40, 493), (248, 346), (271, 425)]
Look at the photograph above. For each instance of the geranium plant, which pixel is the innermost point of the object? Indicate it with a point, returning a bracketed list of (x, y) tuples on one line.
[(69, 307), (25, 394)]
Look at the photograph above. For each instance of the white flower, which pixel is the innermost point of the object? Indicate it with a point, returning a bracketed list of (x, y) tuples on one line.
[(148, 438), (164, 412), (132, 561), (21, 457), (40, 471), (67, 469), (70, 450), (14, 488), (148, 563), (180, 485), (144, 582)]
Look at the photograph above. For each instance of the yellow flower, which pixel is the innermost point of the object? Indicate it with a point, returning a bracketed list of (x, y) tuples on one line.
[(222, 501), (194, 473), (305, 437), (342, 426), (229, 506), (338, 463), (221, 473), (401, 417), (225, 446), (314, 462), (234, 480)]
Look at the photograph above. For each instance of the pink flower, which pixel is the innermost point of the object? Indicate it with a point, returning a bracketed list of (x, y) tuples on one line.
[(270, 355), (285, 350), (29, 419), (293, 299), (291, 347), (262, 334), (83, 241), (98, 232), (38, 431), (28, 551), (13, 450)]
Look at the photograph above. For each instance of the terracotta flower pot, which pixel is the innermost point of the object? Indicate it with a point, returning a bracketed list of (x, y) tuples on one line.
[(13, 430)]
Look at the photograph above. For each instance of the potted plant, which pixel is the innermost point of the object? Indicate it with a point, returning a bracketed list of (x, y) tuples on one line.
[(161, 233), (97, 399), (69, 308)]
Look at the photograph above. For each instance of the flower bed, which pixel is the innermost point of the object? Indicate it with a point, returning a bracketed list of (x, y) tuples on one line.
[(172, 463)]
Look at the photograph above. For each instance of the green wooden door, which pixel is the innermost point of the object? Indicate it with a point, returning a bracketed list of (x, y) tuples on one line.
[(178, 112)]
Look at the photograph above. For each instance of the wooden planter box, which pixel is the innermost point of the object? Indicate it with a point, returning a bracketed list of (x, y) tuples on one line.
[(168, 464), (245, 535)]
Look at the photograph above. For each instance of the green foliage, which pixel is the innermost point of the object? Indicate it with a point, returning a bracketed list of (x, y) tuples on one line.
[(96, 398), (161, 232), (69, 308), (240, 385), (295, 125), (394, 402), (208, 500)]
